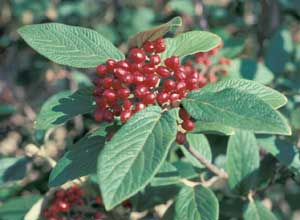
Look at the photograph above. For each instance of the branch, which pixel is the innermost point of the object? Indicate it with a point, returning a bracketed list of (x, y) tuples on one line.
[(219, 172)]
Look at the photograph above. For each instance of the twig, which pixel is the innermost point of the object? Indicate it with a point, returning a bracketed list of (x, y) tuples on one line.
[(219, 172)]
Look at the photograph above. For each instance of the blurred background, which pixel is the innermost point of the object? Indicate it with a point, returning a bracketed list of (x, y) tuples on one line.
[(261, 37)]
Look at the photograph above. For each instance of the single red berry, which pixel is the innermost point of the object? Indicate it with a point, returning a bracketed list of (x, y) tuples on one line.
[(180, 75), (188, 125), (108, 116), (127, 104), (110, 95), (148, 47), (137, 55), (159, 45), (149, 98), (213, 51), (174, 97), (207, 62), (192, 83), (120, 73), (139, 106), (124, 64), (110, 64), (172, 62), (60, 193), (101, 70), (97, 82), (162, 98), (154, 60), (116, 84), (180, 137), (163, 71), (98, 91), (125, 115), (183, 114), (128, 79), (169, 85), (107, 82), (151, 80), (138, 78), (181, 87), (148, 69), (99, 216), (123, 93), (98, 114), (140, 91), (63, 206), (212, 78), (99, 200), (101, 102)]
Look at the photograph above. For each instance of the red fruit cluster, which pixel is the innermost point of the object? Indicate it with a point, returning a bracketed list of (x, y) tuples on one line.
[(128, 86), (65, 204)]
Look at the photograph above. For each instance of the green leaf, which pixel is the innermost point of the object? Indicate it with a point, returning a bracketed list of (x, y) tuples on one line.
[(134, 155), (242, 161), (190, 43), (286, 153), (80, 160), (12, 169), (234, 108), (279, 52), (212, 128), (198, 203), (255, 210), (200, 143), (267, 94), (295, 118), (64, 106), (186, 170), (182, 6), (149, 35), (70, 45), (250, 69), (167, 175), (16, 208)]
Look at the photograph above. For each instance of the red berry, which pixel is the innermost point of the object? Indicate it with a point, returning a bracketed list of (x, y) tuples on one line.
[(123, 64), (63, 206), (120, 73), (172, 62), (107, 82), (162, 98), (128, 79), (116, 84), (137, 55), (181, 87), (110, 95), (148, 47), (139, 106), (101, 70), (125, 115), (174, 97), (151, 80), (60, 193), (138, 78), (148, 69), (183, 114), (140, 91), (180, 138), (180, 75), (102, 103), (169, 85), (99, 200), (108, 116), (123, 93), (97, 82), (98, 91), (188, 125), (127, 104), (99, 216), (98, 114), (116, 109), (136, 67), (149, 98), (159, 45), (154, 60), (163, 71), (110, 64)]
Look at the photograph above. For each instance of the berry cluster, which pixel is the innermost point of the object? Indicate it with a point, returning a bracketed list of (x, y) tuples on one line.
[(128, 86), (70, 205)]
